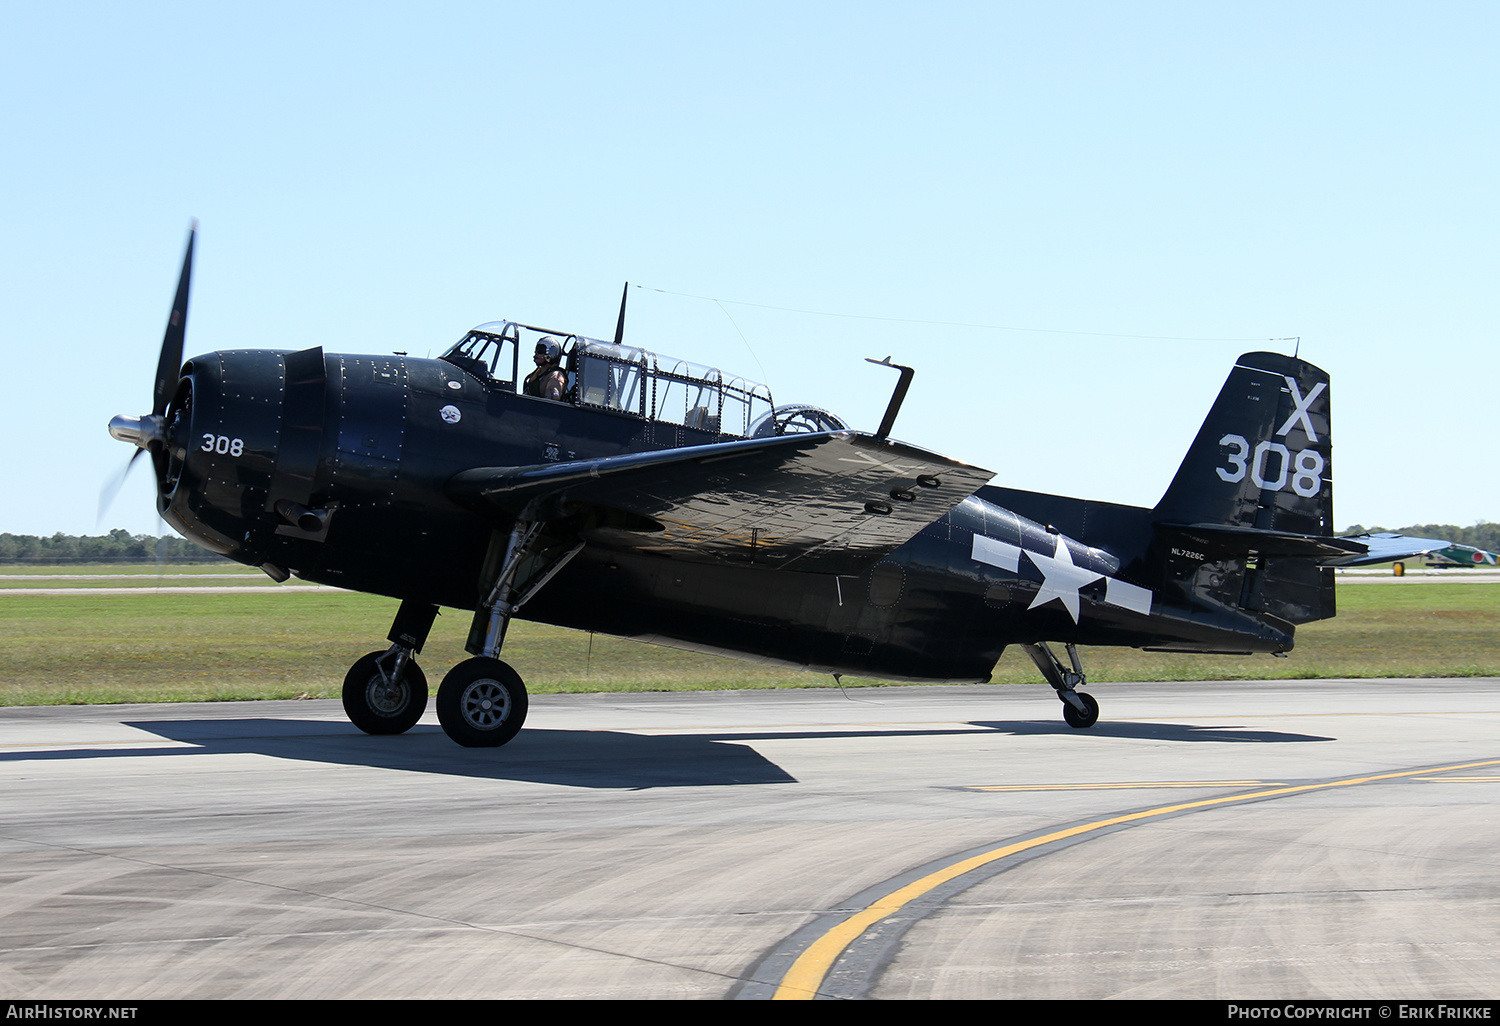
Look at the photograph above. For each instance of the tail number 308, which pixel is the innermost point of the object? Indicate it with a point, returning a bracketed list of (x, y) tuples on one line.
[(1303, 471)]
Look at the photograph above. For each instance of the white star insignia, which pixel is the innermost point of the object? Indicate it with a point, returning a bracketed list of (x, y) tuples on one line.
[(1061, 578)]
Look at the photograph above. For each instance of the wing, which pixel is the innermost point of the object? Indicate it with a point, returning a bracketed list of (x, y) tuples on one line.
[(1383, 548), (832, 502)]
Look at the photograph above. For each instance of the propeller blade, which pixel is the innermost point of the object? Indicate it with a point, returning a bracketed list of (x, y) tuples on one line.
[(112, 487), (170, 364)]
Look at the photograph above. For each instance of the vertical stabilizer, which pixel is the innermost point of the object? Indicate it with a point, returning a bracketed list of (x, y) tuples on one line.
[(1263, 457)]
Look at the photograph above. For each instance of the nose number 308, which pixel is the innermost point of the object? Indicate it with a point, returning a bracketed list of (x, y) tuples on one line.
[(223, 445)]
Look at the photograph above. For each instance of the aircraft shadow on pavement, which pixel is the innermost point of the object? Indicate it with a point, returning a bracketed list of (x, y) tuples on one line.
[(581, 758), (1154, 731)]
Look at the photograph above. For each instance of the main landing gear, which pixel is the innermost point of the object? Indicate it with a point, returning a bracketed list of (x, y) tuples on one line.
[(481, 703), (1079, 708)]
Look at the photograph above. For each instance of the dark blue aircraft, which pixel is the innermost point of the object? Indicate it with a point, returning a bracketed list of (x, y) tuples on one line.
[(590, 484)]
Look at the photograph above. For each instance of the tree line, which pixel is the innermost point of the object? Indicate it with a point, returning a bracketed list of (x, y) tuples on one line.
[(118, 546)]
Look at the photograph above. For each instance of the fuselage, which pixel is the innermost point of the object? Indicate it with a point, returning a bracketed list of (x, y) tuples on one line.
[(336, 468)]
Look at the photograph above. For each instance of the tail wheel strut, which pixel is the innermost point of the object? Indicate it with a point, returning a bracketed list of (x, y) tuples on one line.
[(1079, 709)]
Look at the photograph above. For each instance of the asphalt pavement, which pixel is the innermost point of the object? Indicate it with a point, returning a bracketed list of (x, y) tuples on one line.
[(1283, 839)]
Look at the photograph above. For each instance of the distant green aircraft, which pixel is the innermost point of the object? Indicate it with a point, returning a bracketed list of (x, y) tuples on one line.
[(1462, 555)]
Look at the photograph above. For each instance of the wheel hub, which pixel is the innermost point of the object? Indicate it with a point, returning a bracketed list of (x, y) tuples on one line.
[(485, 704), (386, 698)]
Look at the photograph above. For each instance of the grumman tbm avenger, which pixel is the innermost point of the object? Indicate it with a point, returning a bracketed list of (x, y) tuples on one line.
[(652, 499)]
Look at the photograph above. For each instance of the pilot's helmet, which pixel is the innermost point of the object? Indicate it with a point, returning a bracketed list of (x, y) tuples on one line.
[(549, 349)]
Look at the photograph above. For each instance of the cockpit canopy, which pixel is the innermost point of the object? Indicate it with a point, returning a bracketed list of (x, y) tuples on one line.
[(630, 381)]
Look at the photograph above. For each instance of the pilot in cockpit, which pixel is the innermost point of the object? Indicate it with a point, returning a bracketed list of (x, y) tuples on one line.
[(548, 380)]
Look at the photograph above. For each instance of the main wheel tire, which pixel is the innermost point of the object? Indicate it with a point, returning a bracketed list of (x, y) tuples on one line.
[(377, 705), (481, 703), (1078, 719)]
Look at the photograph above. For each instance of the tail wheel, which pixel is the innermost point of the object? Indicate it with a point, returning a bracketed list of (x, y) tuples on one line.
[(377, 703), (482, 703), (1081, 719)]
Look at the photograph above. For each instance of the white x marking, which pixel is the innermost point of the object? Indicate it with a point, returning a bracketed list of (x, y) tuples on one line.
[(1300, 413)]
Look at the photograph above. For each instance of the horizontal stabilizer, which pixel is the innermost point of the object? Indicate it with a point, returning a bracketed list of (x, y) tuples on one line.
[(1228, 540)]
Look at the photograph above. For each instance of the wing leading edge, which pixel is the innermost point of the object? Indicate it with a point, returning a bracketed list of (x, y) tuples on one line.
[(831, 502)]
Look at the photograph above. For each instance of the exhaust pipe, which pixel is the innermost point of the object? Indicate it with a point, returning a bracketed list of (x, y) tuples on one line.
[(310, 520)]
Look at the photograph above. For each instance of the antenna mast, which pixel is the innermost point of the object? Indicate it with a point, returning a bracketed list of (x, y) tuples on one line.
[(620, 324)]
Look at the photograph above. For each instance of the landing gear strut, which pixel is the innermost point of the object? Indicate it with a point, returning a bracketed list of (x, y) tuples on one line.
[(482, 701), (1079, 709)]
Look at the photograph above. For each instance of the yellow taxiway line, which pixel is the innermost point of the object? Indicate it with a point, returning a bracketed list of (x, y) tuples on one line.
[(806, 974)]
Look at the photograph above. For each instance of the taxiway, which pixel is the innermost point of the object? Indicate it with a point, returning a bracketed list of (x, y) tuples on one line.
[(1283, 839)]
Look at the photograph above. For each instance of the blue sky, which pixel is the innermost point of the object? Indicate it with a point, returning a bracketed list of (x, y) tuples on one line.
[(1070, 217)]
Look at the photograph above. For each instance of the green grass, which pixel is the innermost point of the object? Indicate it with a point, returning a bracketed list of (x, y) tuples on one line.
[(84, 570), (163, 647), (1382, 630), (171, 646)]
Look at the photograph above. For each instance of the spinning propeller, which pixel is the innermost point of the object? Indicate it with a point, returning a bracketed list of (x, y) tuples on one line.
[(149, 433)]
